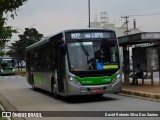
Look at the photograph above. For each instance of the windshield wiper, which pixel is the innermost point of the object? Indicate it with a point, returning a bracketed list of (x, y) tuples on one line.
[(84, 49), (86, 53)]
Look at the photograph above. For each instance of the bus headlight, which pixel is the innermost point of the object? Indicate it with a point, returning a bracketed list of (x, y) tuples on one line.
[(118, 76), (73, 81), (71, 78), (1, 70)]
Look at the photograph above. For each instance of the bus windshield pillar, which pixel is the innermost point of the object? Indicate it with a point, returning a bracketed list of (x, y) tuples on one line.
[(126, 63)]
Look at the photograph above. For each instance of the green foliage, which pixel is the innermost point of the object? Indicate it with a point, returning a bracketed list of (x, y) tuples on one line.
[(5, 7), (2, 53), (6, 33), (11, 5), (17, 49), (21, 73)]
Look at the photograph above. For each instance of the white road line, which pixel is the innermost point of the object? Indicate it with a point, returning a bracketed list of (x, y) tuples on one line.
[(12, 77)]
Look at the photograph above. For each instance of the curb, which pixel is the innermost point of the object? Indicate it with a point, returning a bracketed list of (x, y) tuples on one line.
[(7, 106), (152, 96), (2, 110)]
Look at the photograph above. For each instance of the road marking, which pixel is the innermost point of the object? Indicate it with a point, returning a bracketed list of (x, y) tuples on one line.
[(11, 77)]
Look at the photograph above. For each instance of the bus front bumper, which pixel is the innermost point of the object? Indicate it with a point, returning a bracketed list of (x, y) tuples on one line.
[(7, 73), (114, 87)]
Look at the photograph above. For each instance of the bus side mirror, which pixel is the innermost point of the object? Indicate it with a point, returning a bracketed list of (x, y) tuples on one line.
[(63, 48)]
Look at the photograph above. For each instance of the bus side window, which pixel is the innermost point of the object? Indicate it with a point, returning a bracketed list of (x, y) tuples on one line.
[(53, 58), (32, 61), (47, 60)]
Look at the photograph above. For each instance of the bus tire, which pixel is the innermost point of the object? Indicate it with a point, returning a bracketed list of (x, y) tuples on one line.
[(54, 89)]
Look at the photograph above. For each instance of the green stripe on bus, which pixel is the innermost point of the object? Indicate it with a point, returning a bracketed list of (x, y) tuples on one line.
[(38, 79), (96, 80), (110, 66)]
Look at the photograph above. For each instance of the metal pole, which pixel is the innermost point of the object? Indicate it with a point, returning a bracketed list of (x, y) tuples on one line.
[(89, 12), (159, 61), (126, 23)]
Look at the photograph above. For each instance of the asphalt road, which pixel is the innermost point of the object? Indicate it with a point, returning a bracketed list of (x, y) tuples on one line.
[(21, 97)]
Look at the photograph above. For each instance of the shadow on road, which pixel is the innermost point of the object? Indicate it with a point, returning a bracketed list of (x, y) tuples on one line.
[(8, 74), (78, 99), (87, 99)]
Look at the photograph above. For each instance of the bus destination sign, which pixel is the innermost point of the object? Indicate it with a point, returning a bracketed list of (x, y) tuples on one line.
[(90, 35)]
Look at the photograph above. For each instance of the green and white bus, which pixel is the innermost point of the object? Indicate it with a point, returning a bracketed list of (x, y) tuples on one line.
[(7, 66), (75, 62)]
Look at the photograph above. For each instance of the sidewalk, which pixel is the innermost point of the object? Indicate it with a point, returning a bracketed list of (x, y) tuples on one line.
[(145, 91)]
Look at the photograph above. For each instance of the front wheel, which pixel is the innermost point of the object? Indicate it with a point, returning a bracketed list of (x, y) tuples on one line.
[(54, 90)]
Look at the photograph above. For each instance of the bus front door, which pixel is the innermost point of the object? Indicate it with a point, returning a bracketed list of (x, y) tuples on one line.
[(60, 68)]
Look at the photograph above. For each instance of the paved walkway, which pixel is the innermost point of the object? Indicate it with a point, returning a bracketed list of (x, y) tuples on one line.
[(145, 90)]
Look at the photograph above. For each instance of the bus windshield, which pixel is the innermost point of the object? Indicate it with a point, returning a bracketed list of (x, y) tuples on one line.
[(7, 63), (94, 55)]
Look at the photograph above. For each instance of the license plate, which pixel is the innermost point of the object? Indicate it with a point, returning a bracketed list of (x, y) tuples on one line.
[(96, 90)]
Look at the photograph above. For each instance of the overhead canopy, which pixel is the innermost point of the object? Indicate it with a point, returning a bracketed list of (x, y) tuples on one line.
[(139, 38), (143, 39)]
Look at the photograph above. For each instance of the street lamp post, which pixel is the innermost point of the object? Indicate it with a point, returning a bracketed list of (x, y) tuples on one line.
[(89, 12)]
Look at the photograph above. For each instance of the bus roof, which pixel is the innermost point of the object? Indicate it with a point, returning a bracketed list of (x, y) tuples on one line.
[(47, 39), (41, 42), (88, 29)]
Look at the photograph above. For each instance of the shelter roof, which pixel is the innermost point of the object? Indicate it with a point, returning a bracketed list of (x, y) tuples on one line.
[(139, 38)]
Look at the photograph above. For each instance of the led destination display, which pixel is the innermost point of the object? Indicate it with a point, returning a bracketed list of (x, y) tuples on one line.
[(90, 35)]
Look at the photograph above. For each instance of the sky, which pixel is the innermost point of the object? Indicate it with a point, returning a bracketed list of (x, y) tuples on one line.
[(52, 16)]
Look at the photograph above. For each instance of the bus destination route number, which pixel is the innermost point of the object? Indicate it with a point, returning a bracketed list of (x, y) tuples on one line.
[(86, 35)]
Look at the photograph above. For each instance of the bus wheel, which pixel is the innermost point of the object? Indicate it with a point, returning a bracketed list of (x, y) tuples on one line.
[(54, 90)]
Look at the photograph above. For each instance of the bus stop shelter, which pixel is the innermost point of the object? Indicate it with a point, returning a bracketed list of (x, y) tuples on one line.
[(143, 46)]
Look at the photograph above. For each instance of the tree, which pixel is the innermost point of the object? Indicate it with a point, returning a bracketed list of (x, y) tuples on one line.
[(29, 37), (16, 52), (8, 6), (17, 49)]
